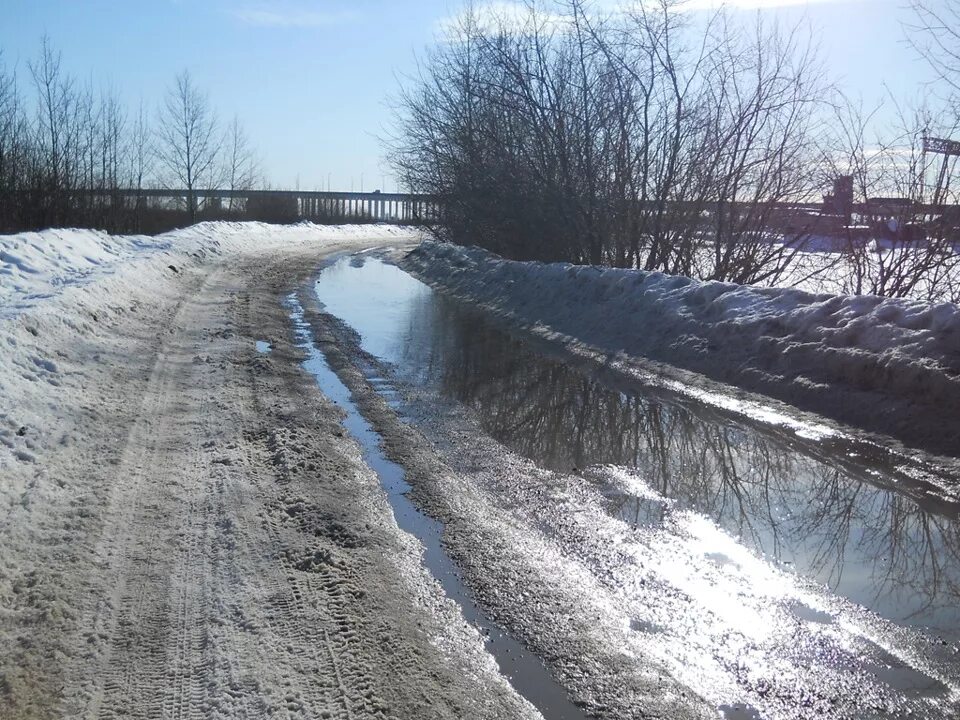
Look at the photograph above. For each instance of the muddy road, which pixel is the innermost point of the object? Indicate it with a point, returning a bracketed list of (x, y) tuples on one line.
[(664, 553), (205, 541), (303, 484)]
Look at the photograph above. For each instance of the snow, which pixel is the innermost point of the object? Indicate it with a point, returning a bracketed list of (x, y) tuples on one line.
[(145, 531), (68, 288), (890, 366), (38, 265)]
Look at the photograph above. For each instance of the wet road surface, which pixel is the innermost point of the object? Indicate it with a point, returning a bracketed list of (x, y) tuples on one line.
[(827, 550), (526, 673)]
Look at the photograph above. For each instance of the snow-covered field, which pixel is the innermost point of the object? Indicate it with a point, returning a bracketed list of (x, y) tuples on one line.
[(826, 265), (889, 366)]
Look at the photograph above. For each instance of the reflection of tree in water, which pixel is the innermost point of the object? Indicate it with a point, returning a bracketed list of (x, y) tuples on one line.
[(836, 522)]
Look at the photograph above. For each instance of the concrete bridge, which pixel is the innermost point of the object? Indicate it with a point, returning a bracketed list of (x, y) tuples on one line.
[(399, 208), (413, 209)]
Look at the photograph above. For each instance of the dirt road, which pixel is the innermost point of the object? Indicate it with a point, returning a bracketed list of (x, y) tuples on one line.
[(190, 529), (196, 537)]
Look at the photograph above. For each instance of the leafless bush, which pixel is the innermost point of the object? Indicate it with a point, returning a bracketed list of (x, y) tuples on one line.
[(635, 139)]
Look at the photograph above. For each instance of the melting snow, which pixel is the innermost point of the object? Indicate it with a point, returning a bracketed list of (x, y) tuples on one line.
[(888, 365)]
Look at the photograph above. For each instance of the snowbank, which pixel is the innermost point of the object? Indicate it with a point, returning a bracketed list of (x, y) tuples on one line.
[(889, 366), (38, 265), (69, 289)]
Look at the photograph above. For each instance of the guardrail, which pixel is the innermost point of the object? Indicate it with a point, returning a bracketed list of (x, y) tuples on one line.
[(308, 205)]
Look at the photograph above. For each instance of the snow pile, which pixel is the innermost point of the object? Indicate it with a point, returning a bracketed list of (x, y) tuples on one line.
[(890, 366), (38, 265), (72, 289), (33, 264)]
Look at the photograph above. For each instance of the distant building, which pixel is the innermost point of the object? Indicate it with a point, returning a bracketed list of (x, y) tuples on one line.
[(890, 206), (840, 201)]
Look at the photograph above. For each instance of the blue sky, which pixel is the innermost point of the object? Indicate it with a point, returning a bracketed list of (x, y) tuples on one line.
[(310, 79)]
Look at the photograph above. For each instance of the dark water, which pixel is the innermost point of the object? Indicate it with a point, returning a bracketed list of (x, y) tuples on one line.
[(833, 521), (526, 673), (834, 512)]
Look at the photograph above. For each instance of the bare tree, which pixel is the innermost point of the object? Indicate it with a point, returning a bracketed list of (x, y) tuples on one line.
[(112, 132), (55, 134), (74, 156), (188, 139), (241, 171), (763, 92), (935, 34), (13, 149), (561, 134), (851, 149), (140, 156)]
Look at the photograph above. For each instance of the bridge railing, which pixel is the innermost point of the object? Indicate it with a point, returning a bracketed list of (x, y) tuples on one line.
[(412, 208), (400, 208)]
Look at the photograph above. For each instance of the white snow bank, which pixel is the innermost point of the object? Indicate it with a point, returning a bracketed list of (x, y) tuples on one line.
[(33, 264), (63, 293), (890, 366), (38, 265)]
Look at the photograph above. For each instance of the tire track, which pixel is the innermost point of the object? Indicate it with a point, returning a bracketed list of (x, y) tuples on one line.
[(153, 666), (239, 560)]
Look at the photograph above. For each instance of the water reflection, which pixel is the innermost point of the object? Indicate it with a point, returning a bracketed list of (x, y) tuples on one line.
[(833, 518)]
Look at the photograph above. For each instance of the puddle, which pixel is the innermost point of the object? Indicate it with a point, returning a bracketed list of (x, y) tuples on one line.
[(636, 511), (809, 614), (263, 347), (739, 711), (752, 499), (528, 675), (833, 515), (635, 507), (720, 559), (891, 670), (645, 626)]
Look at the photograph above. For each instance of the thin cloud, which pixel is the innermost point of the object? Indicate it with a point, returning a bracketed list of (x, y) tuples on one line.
[(756, 4), (500, 15), (293, 18), (507, 15)]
